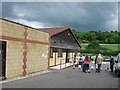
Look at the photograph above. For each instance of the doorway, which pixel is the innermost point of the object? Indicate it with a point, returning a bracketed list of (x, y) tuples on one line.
[(2, 60), (67, 56)]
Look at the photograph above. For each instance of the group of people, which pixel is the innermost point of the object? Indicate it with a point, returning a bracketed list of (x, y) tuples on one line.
[(84, 63), (81, 62)]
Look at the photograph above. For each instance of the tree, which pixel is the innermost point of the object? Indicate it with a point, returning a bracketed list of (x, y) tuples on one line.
[(93, 45), (112, 37)]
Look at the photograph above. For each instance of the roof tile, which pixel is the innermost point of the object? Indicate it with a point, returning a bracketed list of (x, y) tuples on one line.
[(54, 31)]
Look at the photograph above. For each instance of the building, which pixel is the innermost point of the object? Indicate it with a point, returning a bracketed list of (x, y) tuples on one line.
[(63, 45), (23, 50)]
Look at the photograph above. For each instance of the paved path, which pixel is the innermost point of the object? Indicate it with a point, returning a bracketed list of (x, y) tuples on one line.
[(67, 78)]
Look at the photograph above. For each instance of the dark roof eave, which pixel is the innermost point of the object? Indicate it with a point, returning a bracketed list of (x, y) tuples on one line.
[(65, 48)]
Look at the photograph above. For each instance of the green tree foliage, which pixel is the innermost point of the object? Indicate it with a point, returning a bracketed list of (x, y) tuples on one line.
[(112, 37), (94, 48), (93, 45)]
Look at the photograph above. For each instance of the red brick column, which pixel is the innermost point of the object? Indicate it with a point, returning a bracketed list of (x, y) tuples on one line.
[(25, 52), (49, 53)]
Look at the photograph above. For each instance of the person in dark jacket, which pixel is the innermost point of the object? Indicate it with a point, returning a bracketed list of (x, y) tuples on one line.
[(111, 63), (95, 61)]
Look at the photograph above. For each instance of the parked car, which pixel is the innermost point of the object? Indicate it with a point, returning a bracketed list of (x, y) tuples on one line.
[(117, 68), (106, 58)]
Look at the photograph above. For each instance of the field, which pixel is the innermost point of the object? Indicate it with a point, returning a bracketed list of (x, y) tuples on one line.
[(113, 47)]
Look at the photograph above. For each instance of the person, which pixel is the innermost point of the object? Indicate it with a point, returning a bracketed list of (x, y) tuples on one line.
[(95, 62), (77, 59), (90, 58), (86, 64), (118, 57), (74, 61), (111, 63), (99, 62), (80, 62)]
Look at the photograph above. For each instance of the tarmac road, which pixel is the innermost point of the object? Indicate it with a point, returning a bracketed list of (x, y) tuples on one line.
[(67, 78)]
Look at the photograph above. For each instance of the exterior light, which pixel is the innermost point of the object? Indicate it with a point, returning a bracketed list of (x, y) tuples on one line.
[(68, 34)]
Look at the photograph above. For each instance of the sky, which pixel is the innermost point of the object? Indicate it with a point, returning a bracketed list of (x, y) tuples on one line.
[(81, 16)]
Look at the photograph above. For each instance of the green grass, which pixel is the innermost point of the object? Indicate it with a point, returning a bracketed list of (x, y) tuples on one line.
[(113, 47), (83, 45)]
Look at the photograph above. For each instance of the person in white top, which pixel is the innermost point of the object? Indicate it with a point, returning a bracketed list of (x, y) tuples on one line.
[(118, 57), (78, 57)]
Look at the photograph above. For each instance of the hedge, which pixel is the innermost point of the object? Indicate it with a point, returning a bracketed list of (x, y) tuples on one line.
[(96, 51)]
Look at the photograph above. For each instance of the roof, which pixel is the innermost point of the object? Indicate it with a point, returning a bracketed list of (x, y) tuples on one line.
[(54, 31)]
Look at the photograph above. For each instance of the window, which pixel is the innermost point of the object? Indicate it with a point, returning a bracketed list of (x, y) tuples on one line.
[(54, 41), (51, 53), (59, 52)]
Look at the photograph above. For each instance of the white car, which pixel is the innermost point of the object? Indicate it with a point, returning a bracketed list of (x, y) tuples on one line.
[(117, 68)]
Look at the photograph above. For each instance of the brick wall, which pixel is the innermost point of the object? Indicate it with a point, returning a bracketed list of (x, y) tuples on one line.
[(12, 30), (14, 59), (37, 58), (27, 49)]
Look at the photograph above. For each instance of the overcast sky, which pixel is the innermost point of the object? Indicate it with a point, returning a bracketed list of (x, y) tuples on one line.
[(81, 16)]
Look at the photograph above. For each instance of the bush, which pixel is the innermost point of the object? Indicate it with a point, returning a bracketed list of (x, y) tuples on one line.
[(92, 51), (102, 48), (95, 48), (93, 45), (109, 52)]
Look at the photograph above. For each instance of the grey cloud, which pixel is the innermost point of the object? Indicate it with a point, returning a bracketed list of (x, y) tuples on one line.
[(7, 10), (61, 1), (77, 15)]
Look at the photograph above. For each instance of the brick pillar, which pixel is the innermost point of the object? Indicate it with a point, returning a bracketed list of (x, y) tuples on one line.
[(49, 53), (25, 52)]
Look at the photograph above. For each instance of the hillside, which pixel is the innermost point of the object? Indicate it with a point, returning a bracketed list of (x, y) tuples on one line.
[(112, 37)]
